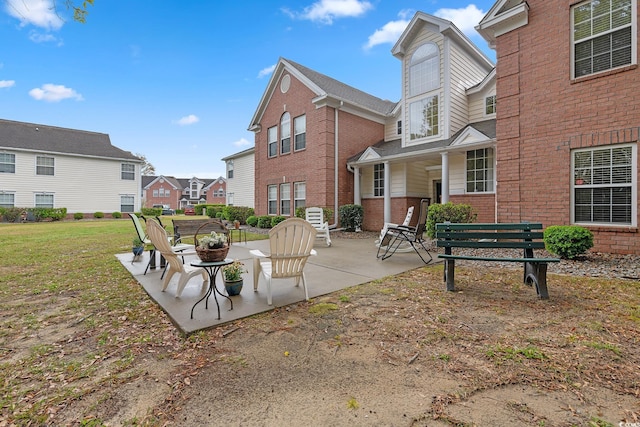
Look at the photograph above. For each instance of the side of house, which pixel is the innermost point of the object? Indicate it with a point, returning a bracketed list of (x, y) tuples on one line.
[(47, 166), (568, 121), (241, 178)]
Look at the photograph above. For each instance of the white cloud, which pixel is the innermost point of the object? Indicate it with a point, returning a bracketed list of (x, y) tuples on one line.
[(41, 13), (266, 71), (389, 33), (325, 11), (241, 143), (54, 93), (465, 19), (7, 83), (37, 37), (188, 120)]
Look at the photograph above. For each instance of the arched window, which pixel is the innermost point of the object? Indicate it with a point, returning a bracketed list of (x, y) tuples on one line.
[(285, 133), (424, 69)]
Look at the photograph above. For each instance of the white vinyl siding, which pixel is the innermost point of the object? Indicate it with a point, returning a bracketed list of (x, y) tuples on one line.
[(242, 184), (69, 171)]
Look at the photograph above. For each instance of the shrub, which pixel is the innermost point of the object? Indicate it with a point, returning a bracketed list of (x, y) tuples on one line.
[(237, 213), (54, 214), (98, 214), (448, 212), (264, 221), (78, 215), (151, 211), (252, 220), (116, 215), (211, 210), (12, 214), (351, 217), (327, 213), (567, 241), (275, 220)]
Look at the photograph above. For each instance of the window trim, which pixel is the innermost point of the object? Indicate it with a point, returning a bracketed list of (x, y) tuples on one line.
[(272, 142), (573, 43), (633, 185), (41, 168), (12, 196), (302, 135), (44, 194), (124, 174), (133, 202), (7, 163), (378, 180), (490, 100), (285, 129), (230, 169), (285, 189), (422, 100), (297, 201), (491, 170), (272, 200)]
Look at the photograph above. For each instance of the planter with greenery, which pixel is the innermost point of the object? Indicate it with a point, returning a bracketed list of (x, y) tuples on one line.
[(137, 246), (232, 277)]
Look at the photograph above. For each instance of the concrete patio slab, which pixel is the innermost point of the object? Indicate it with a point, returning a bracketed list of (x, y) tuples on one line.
[(348, 262)]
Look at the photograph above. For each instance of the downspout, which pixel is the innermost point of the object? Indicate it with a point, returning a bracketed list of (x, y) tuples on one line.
[(335, 166)]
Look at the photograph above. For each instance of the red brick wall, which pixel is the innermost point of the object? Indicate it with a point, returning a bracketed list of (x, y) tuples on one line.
[(484, 205), (374, 211), (316, 164), (172, 200), (540, 108)]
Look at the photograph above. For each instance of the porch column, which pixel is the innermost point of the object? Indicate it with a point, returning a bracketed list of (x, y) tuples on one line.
[(445, 177), (356, 186), (387, 192)]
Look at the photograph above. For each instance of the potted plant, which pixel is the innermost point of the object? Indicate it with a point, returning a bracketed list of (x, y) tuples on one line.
[(212, 247), (232, 276), (213, 240), (236, 224), (137, 246)]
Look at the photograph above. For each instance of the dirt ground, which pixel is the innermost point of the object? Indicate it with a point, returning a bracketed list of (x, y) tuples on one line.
[(397, 352)]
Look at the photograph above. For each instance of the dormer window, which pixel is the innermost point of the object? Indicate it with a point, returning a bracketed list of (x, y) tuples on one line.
[(424, 69)]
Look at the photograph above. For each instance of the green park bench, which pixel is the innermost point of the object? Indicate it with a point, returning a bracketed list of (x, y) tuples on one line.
[(525, 236)]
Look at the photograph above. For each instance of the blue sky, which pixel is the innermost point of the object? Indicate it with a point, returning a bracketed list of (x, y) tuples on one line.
[(179, 81)]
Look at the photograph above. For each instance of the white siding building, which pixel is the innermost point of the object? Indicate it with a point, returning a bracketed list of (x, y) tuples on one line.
[(46, 166), (241, 178)]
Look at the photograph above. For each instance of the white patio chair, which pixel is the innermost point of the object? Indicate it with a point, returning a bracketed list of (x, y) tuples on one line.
[(291, 244), (315, 217), (159, 239)]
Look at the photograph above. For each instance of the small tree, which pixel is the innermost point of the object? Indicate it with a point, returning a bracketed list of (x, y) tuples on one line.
[(448, 212), (351, 217)]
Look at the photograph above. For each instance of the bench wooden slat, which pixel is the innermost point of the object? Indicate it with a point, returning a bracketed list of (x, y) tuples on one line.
[(491, 244), (489, 226), (497, 259), (476, 235)]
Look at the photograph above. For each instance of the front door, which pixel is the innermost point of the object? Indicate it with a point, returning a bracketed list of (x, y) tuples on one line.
[(437, 188)]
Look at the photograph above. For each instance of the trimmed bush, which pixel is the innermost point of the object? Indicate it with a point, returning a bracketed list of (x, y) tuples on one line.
[(98, 214), (351, 217), (116, 215), (252, 220), (264, 221), (567, 241), (451, 212), (12, 214), (151, 211), (237, 213), (275, 220), (78, 215), (210, 210), (53, 214)]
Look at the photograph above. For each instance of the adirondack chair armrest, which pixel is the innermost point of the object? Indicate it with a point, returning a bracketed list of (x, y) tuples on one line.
[(313, 252), (257, 253)]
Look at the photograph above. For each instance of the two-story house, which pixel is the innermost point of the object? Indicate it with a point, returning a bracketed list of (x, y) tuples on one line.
[(53, 167), (306, 127), (180, 192), (568, 120), (241, 178)]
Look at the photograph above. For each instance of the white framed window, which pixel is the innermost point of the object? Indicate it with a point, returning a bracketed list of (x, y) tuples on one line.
[(272, 200), (230, 199), (230, 169), (285, 199), (272, 136), (603, 35), (424, 69), (194, 190), (44, 200), (399, 127), (378, 179), (128, 171), (300, 133), (7, 163), (490, 105), (161, 192), (7, 200), (155, 193), (45, 165), (127, 202), (423, 118), (299, 195), (167, 193), (604, 185), (285, 133), (480, 171)]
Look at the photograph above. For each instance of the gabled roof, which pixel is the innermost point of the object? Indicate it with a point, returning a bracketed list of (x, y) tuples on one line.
[(444, 27), (150, 180), (488, 79), (393, 149), (328, 91), (220, 180), (504, 16), (240, 154), (55, 140)]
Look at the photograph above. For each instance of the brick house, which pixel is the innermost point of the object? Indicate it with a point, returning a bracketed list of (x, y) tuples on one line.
[(306, 127), (179, 192), (569, 115)]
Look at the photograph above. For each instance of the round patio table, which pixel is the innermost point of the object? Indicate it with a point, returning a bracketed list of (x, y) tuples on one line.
[(212, 269)]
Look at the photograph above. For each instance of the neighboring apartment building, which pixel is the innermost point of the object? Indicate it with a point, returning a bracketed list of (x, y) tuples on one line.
[(241, 178), (180, 192), (306, 127), (47, 166), (568, 117)]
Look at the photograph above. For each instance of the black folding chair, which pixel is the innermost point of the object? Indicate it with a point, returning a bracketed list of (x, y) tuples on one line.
[(406, 235)]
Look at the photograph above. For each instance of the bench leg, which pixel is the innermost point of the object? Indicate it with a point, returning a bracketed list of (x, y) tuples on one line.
[(449, 268), (536, 273)]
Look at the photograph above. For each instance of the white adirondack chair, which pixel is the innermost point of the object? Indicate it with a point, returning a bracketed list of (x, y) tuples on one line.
[(315, 217), (291, 243)]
